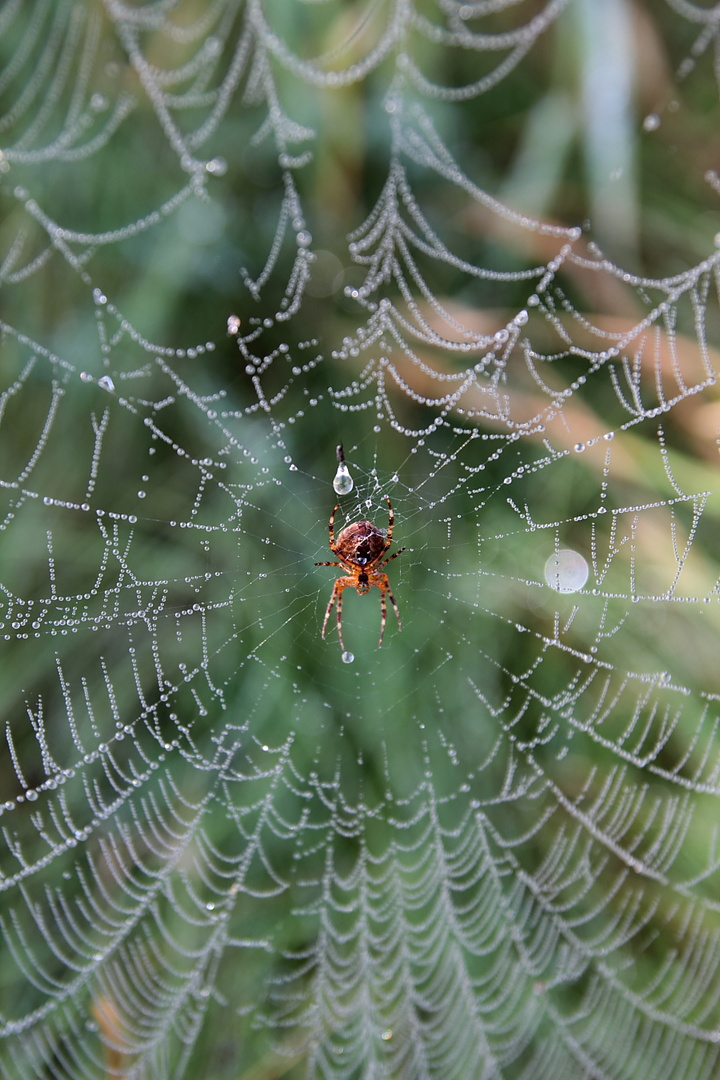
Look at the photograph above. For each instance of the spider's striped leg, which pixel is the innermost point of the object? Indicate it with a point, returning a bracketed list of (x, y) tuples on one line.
[(331, 530), (391, 522), (383, 585), (395, 608), (336, 598), (339, 586), (389, 558), (334, 595)]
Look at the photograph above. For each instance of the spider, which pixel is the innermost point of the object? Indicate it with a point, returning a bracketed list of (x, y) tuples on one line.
[(360, 548)]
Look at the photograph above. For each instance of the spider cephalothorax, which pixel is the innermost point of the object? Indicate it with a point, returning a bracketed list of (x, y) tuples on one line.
[(360, 549)]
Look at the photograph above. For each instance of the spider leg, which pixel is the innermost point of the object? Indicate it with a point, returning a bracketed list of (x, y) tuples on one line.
[(383, 613), (388, 538), (383, 585), (336, 598), (328, 609), (391, 521), (331, 530), (395, 608), (390, 557), (338, 611)]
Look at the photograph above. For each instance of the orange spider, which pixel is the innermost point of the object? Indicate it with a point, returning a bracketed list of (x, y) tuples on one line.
[(360, 548)]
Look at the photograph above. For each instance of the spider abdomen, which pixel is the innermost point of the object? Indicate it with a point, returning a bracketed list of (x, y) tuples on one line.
[(361, 543)]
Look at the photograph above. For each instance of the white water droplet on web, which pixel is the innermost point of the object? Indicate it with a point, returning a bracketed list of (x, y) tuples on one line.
[(348, 657), (216, 167), (566, 571), (343, 481), (106, 383), (651, 122)]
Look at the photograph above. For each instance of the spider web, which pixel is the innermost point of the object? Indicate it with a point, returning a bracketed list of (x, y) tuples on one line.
[(489, 848)]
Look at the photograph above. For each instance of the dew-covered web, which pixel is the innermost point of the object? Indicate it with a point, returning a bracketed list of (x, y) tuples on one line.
[(235, 237)]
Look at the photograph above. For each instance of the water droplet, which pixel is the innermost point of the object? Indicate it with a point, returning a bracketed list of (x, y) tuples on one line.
[(566, 571), (348, 657), (106, 383), (651, 122), (343, 481), (216, 167)]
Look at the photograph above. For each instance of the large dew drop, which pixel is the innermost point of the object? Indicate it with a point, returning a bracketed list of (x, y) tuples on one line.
[(343, 482), (566, 571)]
